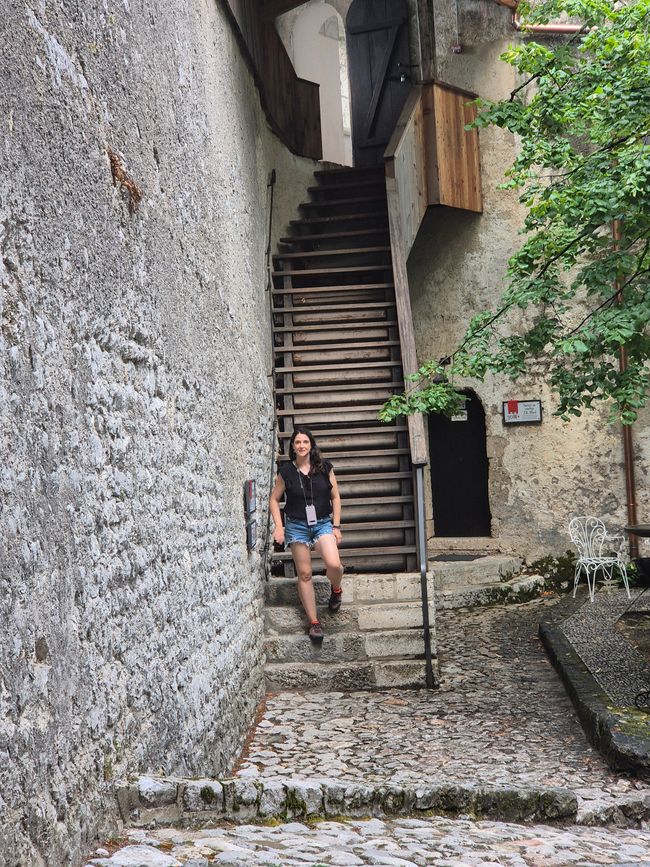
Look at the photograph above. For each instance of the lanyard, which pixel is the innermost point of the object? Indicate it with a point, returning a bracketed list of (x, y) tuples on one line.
[(311, 487)]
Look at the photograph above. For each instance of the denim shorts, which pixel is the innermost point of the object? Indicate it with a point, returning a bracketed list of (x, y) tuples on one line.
[(300, 531)]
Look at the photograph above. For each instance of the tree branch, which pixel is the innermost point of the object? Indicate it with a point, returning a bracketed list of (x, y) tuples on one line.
[(530, 283)]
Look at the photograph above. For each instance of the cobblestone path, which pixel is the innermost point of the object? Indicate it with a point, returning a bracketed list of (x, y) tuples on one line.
[(398, 843), (501, 716)]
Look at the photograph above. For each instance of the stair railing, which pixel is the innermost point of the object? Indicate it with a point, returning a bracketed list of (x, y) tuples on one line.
[(404, 162), (431, 159)]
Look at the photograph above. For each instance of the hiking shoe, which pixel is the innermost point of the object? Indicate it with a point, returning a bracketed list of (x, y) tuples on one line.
[(316, 632), (334, 603)]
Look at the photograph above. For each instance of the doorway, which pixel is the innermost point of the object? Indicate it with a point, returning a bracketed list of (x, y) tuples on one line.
[(380, 74), (314, 37), (459, 472)]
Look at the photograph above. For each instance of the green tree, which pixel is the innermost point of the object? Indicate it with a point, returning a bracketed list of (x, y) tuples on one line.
[(582, 274)]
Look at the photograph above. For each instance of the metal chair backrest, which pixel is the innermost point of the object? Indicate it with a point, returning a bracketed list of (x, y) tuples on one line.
[(588, 535)]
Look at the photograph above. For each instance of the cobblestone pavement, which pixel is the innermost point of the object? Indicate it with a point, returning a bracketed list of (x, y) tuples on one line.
[(501, 716), (396, 843)]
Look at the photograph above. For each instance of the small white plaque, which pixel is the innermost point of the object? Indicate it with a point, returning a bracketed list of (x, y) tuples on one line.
[(460, 416), (522, 411)]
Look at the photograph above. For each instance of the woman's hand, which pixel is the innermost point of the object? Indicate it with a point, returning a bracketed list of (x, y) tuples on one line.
[(337, 535), (278, 535)]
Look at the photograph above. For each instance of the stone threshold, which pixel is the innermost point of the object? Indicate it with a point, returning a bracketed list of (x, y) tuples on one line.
[(148, 802), (620, 734)]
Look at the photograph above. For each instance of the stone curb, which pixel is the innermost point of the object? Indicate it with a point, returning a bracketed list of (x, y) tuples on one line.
[(613, 731), (148, 802)]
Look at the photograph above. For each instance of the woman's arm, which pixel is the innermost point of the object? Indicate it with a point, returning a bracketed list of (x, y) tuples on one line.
[(274, 505), (335, 496)]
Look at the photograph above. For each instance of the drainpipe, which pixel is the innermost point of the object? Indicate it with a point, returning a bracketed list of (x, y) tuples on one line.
[(628, 447), (537, 28), (544, 28)]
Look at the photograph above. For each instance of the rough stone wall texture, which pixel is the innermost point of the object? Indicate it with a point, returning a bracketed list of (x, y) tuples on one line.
[(134, 401), (540, 477)]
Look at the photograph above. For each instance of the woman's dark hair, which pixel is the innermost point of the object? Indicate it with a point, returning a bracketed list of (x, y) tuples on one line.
[(315, 457)]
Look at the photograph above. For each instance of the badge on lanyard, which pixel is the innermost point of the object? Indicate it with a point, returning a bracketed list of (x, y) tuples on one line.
[(310, 509)]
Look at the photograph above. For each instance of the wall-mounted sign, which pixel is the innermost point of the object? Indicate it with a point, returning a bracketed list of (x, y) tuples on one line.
[(461, 415), (250, 496), (250, 505), (522, 412)]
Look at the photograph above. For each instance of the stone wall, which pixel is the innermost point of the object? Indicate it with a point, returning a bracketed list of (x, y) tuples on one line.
[(134, 401), (540, 477)]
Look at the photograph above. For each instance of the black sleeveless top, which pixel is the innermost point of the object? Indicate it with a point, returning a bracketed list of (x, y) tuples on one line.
[(317, 489)]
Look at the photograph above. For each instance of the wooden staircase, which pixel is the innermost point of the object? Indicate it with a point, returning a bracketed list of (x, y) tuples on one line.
[(337, 360)]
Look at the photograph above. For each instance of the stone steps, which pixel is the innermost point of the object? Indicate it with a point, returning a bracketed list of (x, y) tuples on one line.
[(377, 639), (345, 676), (147, 802), (374, 641), (480, 572), (516, 590), (346, 646)]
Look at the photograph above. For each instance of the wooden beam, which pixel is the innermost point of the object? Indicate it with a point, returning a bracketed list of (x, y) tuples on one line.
[(417, 436), (273, 8)]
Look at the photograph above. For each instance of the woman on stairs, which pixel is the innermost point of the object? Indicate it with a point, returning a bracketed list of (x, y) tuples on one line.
[(312, 515)]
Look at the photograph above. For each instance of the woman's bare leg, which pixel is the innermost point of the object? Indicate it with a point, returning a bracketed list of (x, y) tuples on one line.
[(329, 552), (302, 559)]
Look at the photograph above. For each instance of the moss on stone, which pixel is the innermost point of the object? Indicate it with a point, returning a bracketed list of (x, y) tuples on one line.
[(208, 795)]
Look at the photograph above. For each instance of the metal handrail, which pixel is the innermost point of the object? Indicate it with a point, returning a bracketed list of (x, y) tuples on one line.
[(424, 590), (266, 553)]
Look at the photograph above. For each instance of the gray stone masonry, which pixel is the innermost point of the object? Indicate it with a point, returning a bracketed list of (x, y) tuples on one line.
[(134, 402)]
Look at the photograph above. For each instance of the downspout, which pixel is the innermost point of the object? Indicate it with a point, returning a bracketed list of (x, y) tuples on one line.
[(536, 28), (544, 28), (628, 446)]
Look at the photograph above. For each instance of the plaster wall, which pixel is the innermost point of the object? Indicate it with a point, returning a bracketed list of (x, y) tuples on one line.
[(134, 402), (539, 477), (316, 45)]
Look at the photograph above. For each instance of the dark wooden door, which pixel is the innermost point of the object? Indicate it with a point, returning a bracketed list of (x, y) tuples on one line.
[(379, 71), (459, 472)]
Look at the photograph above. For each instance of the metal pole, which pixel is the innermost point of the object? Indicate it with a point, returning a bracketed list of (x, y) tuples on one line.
[(422, 556), (269, 288)]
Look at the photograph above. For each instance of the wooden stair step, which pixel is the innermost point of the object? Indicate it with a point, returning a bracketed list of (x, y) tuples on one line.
[(376, 525), (333, 236), (357, 552), (337, 203), (361, 386), (334, 335), (317, 272), (347, 326), (356, 171), (349, 185), (373, 409), (348, 287), (380, 427), (362, 365), (341, 218), (366, 453), (373, 305), (351, 476), (322, 347), (339, 251)]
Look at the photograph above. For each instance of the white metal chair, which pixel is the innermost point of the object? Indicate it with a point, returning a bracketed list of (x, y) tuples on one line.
[(590, 537)]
